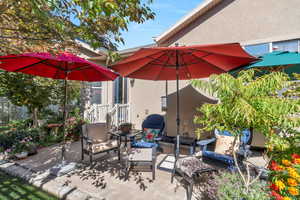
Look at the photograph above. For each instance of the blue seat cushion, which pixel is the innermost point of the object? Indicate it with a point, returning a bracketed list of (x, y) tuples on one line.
[(143, 144), (223, 158)]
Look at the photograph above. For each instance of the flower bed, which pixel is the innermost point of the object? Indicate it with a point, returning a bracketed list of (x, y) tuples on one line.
[(285, 178)]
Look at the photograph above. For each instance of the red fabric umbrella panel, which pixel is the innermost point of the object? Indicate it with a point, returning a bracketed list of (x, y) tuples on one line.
[(61, 66), (160, 63)]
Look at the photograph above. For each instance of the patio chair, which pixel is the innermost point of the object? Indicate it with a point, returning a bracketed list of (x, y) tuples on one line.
[(189, 168), (152, 131), (96, 139), (223, 151)]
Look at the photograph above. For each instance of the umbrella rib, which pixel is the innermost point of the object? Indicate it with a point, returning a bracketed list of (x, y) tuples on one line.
[(188, 73), (169, 57), (150, 62), (28, 66), (209, 63)]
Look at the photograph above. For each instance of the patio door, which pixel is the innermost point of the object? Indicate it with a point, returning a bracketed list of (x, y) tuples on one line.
[(120, 91)]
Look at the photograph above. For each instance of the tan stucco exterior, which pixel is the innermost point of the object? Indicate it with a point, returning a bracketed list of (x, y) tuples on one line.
[(244, 21)]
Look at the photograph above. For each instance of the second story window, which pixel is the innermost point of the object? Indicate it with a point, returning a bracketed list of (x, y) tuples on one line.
[(289, 45)]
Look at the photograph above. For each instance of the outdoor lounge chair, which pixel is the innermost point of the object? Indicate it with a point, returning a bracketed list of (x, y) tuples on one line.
[(223, 151), (96, 139), (152, 131)]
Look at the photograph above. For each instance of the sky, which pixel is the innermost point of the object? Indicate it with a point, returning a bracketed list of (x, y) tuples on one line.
[(168, 12)]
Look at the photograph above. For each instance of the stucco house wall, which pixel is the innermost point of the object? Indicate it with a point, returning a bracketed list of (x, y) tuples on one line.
[(244, 21)]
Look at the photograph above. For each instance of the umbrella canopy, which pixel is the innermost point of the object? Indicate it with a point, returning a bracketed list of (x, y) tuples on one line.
[(161, 63), (289, 62), (61, 66), (183, 62)]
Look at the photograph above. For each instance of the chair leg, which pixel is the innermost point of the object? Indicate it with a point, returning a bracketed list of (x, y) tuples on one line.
[(91, 157), (172, 176), (153, 171), (82, 155), (190, 192)]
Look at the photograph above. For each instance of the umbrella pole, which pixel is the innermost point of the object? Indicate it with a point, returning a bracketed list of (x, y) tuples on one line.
[(177, 107), (64, 119)]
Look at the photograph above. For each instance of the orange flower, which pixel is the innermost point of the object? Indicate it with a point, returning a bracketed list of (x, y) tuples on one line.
[(293, 173), (275, 167), (274, 187), (296, 158), (276, 195), (286, 198), (293, 191), (292, 182), (286, 162), (280, 185)]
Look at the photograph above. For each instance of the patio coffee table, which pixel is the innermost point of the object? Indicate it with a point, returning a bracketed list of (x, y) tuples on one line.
[(141, 157)]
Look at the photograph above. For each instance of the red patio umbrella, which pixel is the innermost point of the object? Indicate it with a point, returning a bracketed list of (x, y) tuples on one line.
[(64, 66), (183, 62)]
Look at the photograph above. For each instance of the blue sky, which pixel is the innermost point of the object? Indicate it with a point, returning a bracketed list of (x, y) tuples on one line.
[(168, 12)]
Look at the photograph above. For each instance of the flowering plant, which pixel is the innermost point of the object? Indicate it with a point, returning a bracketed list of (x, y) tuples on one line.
[(21, 146), (285, 178)]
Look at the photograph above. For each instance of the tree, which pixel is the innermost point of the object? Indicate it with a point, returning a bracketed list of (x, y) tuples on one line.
[(248, 102), (35, 93), (53, 25)]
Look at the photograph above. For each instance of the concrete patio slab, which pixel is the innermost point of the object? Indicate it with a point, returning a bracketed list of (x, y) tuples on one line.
[(104, 179)]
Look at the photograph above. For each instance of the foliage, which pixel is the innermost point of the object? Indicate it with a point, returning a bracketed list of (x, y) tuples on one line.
[(285, 177), (54, 25), (20, 146), (230, 186), (16, 134), (249, 102), (36, 93), (74, 128)]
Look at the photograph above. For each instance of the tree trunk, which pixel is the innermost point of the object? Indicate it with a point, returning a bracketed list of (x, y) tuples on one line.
[(35, 117)]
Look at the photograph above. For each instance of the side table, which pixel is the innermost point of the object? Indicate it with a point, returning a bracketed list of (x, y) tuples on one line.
[(141, 157)]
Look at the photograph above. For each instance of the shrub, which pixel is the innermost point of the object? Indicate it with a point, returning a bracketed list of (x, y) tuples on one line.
[(230, 186)]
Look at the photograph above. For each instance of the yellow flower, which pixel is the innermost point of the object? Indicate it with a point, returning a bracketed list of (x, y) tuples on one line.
[(286, 198), (279, 184), (292, 182), (293, 191), (286, 162), (293, 173)]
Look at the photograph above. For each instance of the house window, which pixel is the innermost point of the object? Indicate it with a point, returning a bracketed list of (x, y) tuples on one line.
[(258, 49), (289, 45), (96, 93), (120, 91)]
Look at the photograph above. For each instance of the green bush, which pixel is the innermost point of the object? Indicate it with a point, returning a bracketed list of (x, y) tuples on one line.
[(230, 186)]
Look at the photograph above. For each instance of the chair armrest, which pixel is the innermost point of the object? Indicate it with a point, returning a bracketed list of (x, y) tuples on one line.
[(200, 171), (87, 139), (115, 134), (206, 142)]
